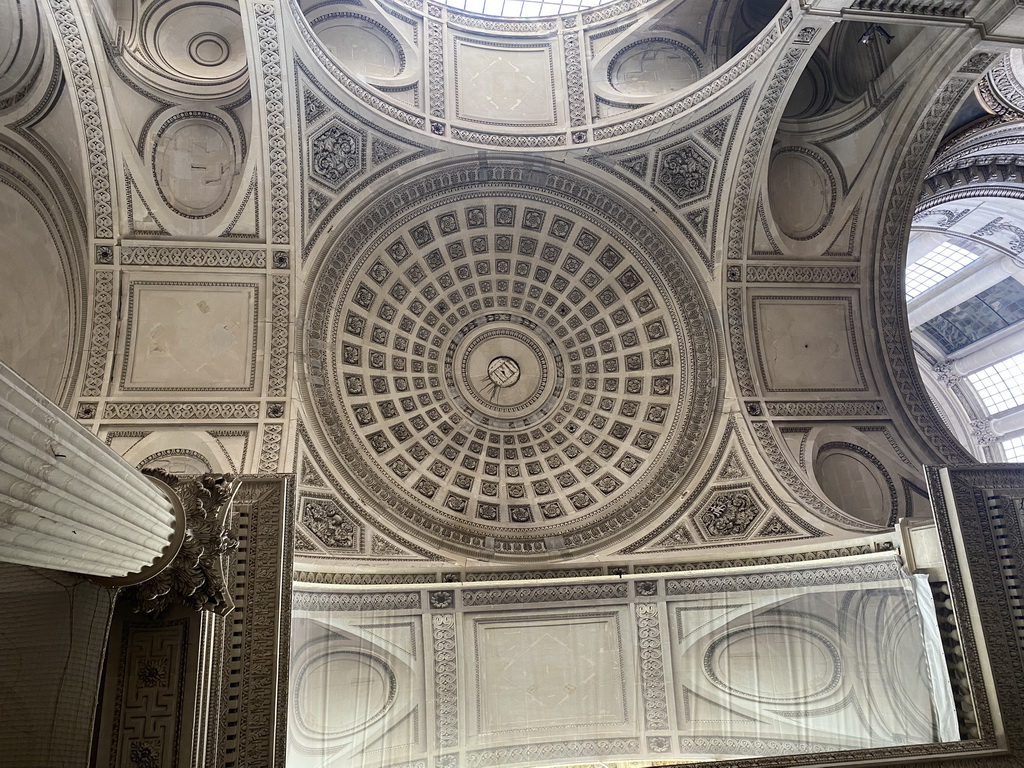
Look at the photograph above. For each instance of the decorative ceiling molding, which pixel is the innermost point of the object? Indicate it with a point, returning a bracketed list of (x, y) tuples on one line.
[(494, 390)]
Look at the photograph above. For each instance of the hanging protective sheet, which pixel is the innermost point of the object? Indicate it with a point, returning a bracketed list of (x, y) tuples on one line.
[(803, 657)]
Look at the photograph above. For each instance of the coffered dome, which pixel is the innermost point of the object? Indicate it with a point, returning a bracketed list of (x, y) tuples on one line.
[(510, 361)]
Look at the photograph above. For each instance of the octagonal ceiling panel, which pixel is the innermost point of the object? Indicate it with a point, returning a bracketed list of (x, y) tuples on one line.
[(510, 362)]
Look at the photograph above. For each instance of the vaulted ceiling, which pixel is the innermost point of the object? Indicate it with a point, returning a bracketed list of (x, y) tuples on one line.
[(623, 285)]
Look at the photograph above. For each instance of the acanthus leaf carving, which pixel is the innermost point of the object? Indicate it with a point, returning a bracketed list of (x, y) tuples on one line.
[(729, 515), (197, 576)]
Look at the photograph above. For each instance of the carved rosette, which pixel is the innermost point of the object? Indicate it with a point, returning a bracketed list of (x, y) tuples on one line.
[(730, 515), (197, 576)]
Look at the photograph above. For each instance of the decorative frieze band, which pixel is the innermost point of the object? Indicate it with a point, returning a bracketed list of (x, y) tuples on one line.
[(508, 140), (829, 409), (737, 341), (574, 79), (567, 593), (270, 454), (746, 562), (368, 579), (778, 273), (70, 34), (434, 577), (652, 667), (561, 751), (273, 93), (176, 411), (887, 567), (500, 24), (371, 601), (446, 709), (157, 256), (568, 573), (102, 312), (435, 68), (280, 316)]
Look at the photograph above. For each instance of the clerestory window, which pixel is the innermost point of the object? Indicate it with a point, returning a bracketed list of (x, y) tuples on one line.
[(523, 8), (1013, 449), (935, 266), (1001, 385)]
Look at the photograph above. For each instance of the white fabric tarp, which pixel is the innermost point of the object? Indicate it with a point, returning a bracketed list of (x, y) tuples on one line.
[(805, 657)]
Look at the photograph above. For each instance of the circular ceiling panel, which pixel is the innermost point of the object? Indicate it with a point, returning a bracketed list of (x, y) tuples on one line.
[(342, 691), (364, 47), (193, 50), (496, 362), (653, 67), (201, 41)]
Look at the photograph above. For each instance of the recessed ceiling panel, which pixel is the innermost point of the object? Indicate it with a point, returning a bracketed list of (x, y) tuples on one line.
[(506, 366)]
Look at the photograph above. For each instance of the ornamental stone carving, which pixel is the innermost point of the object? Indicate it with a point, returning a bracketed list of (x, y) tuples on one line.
[(684, 172), (947, 374), (729, 515), (336, 154), (145, 753), (197, 577), (152, 672), (1001, 91), (326, 520), (982, 433), (442, 600)]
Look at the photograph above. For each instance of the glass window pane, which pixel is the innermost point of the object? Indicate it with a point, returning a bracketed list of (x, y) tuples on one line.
[(523, 8), (1014, 449), (1000, 386), (934, 267)]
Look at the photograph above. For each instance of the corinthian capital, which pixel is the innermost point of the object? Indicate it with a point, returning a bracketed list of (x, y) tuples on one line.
[(981, 431), (197, 576), (945, 373)]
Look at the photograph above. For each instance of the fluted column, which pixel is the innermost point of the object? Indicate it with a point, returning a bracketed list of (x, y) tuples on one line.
[(67, 501)]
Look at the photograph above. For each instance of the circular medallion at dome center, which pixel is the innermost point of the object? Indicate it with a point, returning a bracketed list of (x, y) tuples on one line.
[(511, 370), (504, 371)]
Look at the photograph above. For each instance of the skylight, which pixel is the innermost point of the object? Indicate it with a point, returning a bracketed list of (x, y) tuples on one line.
[(1014, 449), (523, 8), (1001, 386), (934, 267)]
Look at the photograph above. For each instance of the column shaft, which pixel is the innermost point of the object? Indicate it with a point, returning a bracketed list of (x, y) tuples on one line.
[(67, 501), (1010, 424)]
